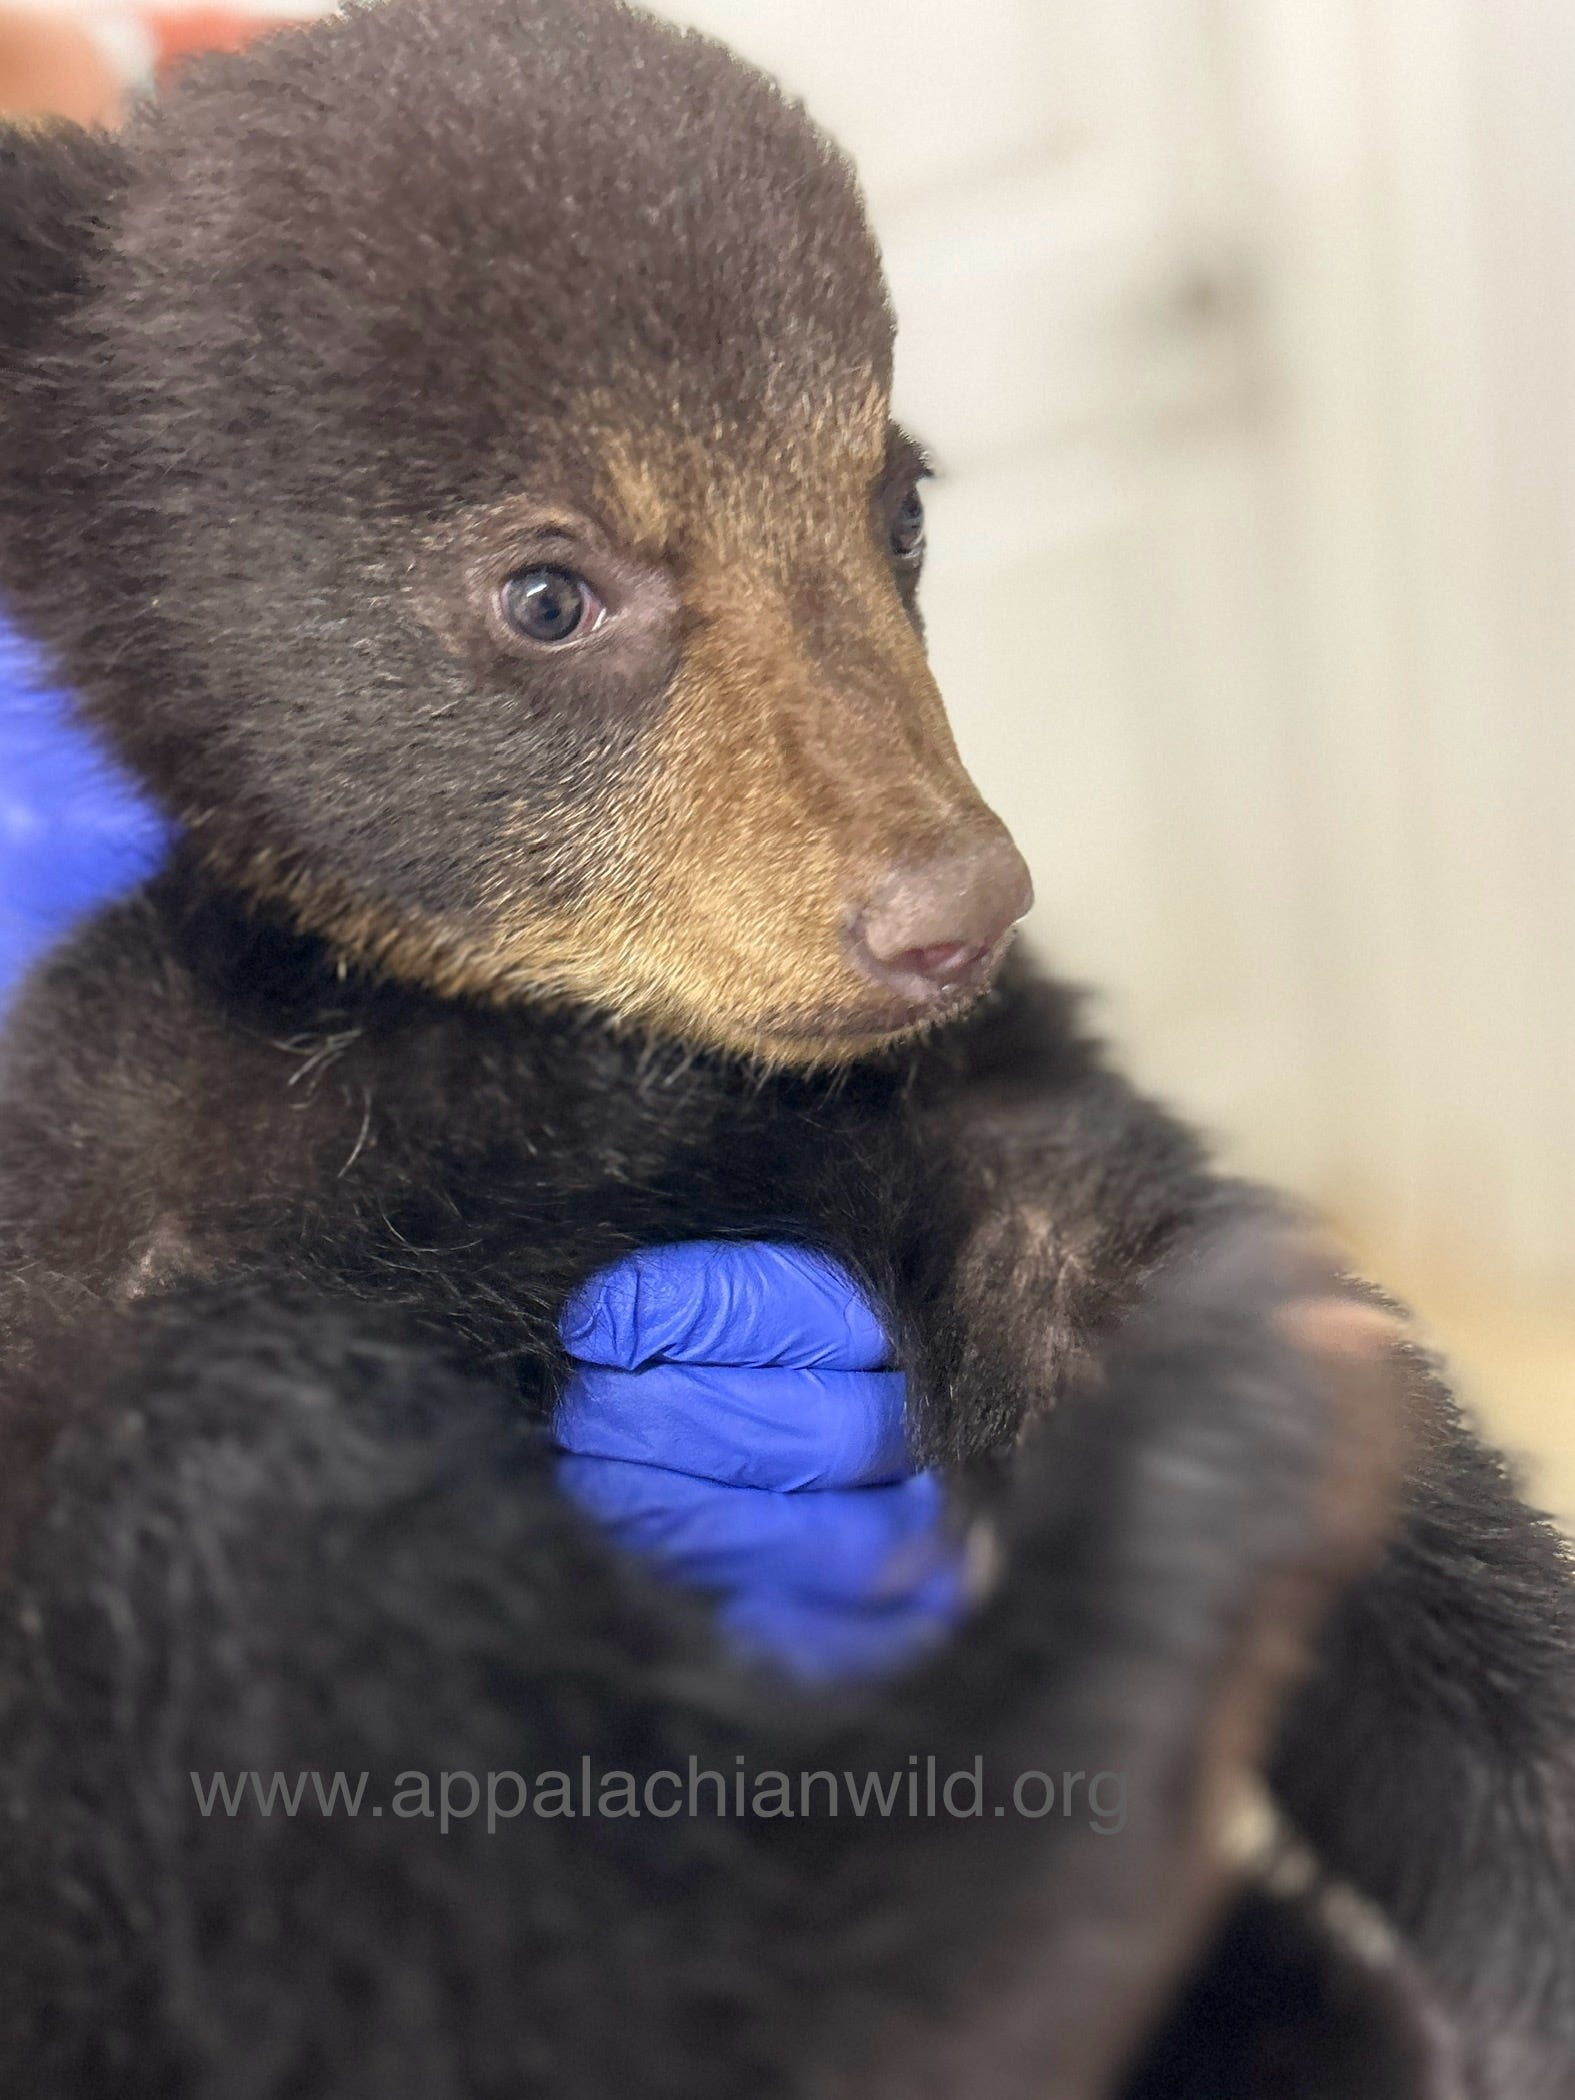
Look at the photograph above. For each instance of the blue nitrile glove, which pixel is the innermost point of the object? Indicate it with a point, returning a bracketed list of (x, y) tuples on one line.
[(733, 1418), (73, 833)]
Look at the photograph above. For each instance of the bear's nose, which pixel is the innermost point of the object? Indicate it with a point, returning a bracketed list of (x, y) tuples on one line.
[(933, 925)]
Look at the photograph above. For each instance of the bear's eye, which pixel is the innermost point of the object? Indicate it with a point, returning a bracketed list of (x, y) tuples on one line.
[(551, 605), (907, 528)]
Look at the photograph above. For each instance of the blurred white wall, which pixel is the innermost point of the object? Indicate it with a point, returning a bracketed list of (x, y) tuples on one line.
[(1244, 333)]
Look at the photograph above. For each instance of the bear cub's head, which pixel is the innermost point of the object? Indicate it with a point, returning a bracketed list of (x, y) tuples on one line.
[(448, 452)]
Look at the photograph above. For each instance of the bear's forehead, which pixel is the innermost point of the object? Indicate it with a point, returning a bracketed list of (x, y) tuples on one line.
[(467, 214)]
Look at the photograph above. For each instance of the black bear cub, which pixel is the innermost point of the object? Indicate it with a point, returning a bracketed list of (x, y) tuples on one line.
[(447, 453)]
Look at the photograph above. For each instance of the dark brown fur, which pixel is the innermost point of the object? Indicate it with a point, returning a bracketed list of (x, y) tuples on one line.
[(476, 968)]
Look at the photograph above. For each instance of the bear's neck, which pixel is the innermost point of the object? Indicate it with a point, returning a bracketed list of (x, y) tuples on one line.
[(552, 1094)]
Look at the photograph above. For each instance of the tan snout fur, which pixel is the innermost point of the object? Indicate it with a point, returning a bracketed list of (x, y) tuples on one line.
[(784, 783)]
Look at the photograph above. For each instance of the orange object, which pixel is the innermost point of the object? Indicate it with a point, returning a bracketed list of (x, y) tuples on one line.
[(179, 32), (51, 66)]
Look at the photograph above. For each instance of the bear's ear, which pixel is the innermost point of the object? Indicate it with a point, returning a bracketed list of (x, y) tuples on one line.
[(58, 187)]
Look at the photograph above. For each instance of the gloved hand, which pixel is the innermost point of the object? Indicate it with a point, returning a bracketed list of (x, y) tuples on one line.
[(73, 833), (733, 1417)]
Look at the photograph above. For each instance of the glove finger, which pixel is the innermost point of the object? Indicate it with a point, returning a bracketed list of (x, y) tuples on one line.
[(725, 1302), (852, 1545), (777, 1429)]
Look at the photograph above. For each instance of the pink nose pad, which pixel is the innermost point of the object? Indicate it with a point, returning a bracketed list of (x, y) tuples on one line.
[(944, 961), (936, 924)]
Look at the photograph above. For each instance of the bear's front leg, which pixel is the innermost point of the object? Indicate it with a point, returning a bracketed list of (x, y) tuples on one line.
[(1431, 1759)]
